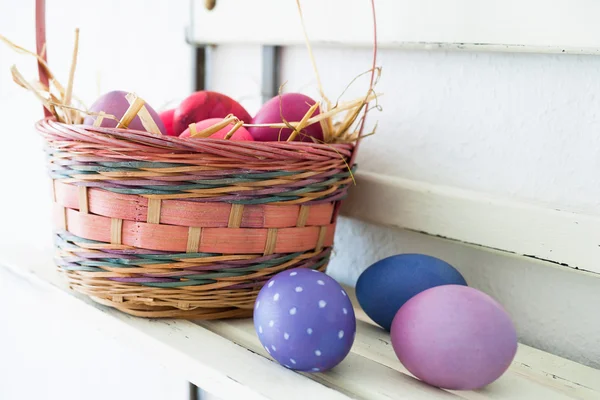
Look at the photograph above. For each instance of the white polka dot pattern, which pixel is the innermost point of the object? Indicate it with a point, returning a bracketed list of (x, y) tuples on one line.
[(304, 320)]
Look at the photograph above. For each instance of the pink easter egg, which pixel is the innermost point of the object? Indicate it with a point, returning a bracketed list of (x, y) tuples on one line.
[(115, 103), (454, 337), (290, 107), (241, 134)]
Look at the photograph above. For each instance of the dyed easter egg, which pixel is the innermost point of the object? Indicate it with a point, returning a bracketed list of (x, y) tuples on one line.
[(389, 283), (206, 104), (241, 134), (454, 337), (115, 103), (167, 119), (305, 320), (292, 107)]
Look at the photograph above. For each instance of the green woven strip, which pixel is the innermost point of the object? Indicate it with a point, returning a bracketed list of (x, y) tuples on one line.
[(216, 272), (178, 284), (94, 168), (140, 164), (132, 263), (266, 200), (196, 282), (80, 268)]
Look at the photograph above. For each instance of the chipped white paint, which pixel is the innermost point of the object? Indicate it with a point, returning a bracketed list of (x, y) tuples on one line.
[(496, 25)]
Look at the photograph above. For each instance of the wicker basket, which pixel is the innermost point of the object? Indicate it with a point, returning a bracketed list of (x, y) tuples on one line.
[(164, 227), (157, 226)]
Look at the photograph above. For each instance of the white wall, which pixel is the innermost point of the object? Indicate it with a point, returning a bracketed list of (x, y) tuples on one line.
[(40, 359), (517, 125)]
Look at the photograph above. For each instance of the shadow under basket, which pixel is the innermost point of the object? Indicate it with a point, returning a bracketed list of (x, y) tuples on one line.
[(157, 226)]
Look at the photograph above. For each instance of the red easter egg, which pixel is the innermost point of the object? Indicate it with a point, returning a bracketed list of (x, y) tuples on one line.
[(241, 135), (167, 119), (204, 105)]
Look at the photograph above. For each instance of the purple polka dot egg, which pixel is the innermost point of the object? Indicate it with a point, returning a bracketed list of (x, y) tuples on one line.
[(305, 320)]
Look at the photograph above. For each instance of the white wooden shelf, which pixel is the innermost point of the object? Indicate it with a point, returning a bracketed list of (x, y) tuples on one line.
[(226, 358), (567, 239), (537, 26)]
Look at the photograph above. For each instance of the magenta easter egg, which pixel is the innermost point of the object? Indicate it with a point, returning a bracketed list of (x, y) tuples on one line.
[(292, 107), (305, 320), (115, 103), (454, 337)]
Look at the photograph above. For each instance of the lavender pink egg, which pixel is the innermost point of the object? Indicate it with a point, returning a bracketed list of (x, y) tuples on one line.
[(305, 320), (289, 106), (115, 103), (454, 337)]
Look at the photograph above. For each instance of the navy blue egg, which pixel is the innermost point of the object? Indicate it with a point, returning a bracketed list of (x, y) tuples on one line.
[(385, 286)]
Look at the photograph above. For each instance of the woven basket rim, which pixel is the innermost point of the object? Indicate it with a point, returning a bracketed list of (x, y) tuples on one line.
[(145, 141)]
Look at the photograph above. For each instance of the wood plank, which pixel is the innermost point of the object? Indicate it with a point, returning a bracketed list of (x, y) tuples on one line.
[(357, 375), (226, 358), (567, 238), (533, 373), (551, 378), (499, 25), (202, 357)]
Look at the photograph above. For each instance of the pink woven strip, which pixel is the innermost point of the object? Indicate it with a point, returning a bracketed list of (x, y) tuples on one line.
[(190, 213), (212, 240)]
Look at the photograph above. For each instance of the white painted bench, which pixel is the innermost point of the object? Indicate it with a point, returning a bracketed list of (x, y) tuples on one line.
[(226, 359)]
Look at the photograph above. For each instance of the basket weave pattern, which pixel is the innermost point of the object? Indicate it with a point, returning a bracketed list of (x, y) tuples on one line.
[(162, 227)]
